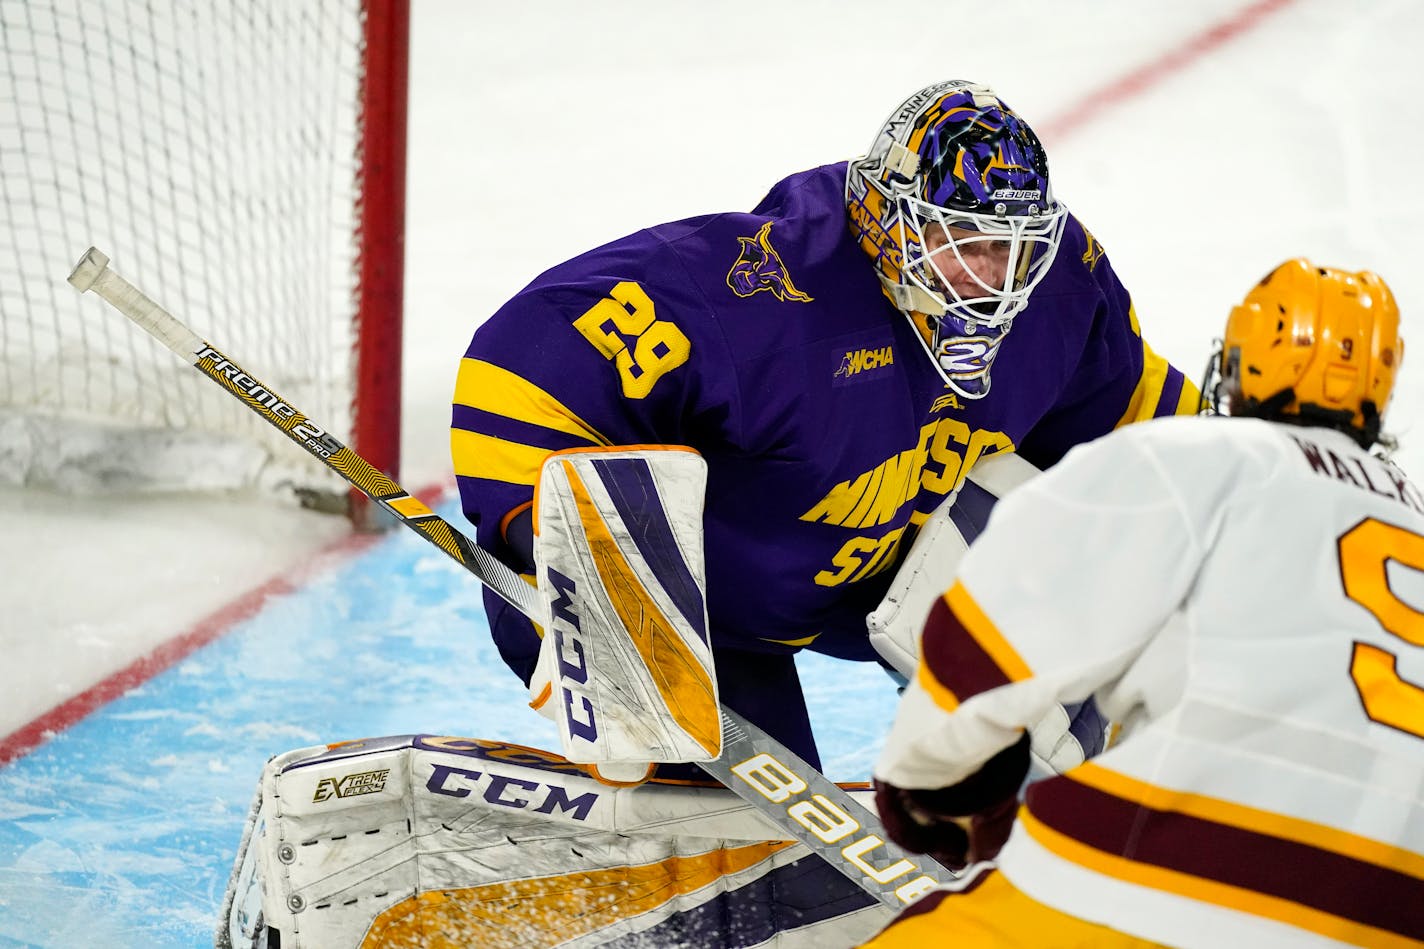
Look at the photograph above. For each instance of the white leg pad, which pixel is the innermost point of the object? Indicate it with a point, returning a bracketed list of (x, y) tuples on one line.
[(421, 839)]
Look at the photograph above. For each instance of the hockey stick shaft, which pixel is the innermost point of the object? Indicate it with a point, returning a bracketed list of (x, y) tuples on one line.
[(792, 793), (93, 273)]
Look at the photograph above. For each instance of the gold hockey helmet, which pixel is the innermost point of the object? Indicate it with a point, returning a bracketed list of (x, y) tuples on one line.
[(1316, 344)]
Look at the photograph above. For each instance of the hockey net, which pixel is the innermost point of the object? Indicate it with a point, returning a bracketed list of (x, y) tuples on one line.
[(246, 161)]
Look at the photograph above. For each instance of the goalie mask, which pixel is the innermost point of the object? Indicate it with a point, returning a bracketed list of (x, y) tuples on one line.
[(1311, 344), (953, 204)]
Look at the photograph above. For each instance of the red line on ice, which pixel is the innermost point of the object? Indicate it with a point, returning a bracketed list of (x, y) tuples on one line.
[(1145, 77), (217, 624)]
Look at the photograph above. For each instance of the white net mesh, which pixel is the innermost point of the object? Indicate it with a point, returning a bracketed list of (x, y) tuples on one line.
[(210, 149)]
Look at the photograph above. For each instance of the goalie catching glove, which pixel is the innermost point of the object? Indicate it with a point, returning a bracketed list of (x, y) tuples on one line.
[(1067, 735), (932, 560), (625, 667)]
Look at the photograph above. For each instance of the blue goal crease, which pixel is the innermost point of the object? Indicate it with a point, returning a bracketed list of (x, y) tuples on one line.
[(121, 830)]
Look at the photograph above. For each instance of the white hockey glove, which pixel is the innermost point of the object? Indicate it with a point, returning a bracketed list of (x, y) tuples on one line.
[(626, 667)]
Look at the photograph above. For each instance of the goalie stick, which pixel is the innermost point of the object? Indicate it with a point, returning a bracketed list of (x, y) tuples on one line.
[(809, 806)]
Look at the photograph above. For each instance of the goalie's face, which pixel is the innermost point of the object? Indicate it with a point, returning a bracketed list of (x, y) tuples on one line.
[(966, 262)]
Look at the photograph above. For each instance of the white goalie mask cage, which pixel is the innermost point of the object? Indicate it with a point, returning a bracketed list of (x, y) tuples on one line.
[(955, 190)]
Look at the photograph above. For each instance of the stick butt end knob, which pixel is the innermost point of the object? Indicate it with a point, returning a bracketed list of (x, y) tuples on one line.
[(90, 266)]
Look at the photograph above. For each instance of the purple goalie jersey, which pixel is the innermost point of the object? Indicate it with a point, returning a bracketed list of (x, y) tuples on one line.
[(764, 341)]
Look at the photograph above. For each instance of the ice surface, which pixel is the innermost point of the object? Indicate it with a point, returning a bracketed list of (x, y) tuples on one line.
[(535, 136)]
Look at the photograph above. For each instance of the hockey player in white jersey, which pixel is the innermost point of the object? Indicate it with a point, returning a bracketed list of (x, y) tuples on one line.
[(1246, 596)]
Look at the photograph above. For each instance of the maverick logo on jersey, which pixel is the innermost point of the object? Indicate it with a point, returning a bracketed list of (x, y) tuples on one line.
[(351, 785), (759, 267)]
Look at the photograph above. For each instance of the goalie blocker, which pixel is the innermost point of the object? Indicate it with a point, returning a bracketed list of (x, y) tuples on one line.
[(427, 840), (625, 665)]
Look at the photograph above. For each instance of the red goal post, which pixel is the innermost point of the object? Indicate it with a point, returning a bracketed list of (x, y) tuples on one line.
[(376, 427), (248, 161)]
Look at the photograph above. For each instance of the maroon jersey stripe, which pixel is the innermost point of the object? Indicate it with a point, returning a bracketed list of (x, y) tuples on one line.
[(1329, 881)]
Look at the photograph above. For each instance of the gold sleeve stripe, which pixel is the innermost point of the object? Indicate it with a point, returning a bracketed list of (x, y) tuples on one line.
[(490, 388), (986, 634), (1208, 891), (1149, 387), (1189, 401), (483, 456), (1250, 818)]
